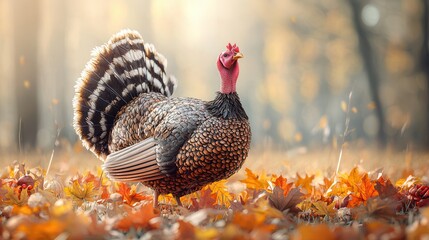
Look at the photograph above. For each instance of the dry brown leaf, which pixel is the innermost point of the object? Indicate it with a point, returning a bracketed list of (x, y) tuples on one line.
[(281, 202)]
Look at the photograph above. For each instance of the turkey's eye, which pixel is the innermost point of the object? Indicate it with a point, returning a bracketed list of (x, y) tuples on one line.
[(225, 55)]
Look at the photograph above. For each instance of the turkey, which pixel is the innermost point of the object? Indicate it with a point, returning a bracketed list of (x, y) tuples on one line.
[(125, 115)]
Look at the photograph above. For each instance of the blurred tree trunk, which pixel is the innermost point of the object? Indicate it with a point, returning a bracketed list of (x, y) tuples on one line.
[(8, 119), (26, 16), (52, 71), (425, 60), (370, 64)]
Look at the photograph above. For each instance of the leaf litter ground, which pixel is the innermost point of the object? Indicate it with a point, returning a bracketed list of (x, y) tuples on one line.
[(255, 204)]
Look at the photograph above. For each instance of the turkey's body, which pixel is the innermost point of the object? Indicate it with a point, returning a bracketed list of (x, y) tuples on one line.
[(200, 147), (125, 115)]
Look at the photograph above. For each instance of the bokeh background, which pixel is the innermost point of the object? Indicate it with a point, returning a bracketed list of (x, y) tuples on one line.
[(316, 74)]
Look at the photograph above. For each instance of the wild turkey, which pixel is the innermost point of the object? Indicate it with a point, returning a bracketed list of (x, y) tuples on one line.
[(124, 114)]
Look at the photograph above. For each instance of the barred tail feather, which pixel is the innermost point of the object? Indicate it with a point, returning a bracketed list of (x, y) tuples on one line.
[(118, 72)]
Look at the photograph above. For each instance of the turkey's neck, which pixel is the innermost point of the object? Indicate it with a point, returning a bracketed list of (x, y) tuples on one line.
[(228, 77), (226, 106)]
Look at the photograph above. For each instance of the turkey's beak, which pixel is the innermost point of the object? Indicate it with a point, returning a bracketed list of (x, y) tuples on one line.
[(237, 56)]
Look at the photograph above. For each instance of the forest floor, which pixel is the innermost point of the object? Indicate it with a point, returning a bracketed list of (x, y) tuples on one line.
[(295, 194)]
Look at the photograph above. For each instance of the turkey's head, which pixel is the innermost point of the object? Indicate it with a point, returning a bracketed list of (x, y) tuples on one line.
[(228, 68)]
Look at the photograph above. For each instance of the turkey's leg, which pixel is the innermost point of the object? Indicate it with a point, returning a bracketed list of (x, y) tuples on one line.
[(155, 199), (178, 201)]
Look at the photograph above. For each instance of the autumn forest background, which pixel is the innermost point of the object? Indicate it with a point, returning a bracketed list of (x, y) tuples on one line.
[(316, 76)]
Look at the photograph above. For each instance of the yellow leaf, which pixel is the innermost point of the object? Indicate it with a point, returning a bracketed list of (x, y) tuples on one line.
[(166, 199), (223, 197), (323, 209), (15, 196), (80, 192)]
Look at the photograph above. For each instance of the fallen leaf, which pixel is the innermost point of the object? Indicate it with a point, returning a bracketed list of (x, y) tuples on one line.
[(305, 183), (325, 209), (385, 188), (281, 202), (223, 197), (80, 192), (282, 183), (138, 219), (254, 181), (360, 187), (129, 194), (377, 208)]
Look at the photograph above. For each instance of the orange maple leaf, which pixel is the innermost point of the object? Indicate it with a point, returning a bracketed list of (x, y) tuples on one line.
[(130, 194), (360, 187), (282, 183), (254, 181), (138, 219), (305, 183)]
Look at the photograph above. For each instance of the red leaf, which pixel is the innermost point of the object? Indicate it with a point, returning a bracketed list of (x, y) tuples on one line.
[(385, 188), (207, 200)]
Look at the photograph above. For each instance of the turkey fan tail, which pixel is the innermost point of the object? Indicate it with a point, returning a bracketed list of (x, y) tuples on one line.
[(118, 72)]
